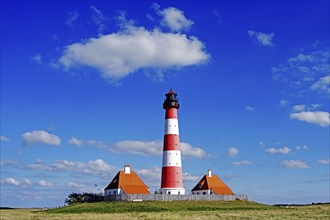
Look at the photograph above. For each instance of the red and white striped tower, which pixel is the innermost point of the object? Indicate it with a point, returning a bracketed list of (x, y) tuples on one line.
[(172, 181)]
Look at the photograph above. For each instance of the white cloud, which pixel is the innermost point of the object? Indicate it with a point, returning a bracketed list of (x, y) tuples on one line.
[(263, 38), (76, 185), (249, 108), (174, 19), (98, 18), (298, 108), (322, 84), (232, 152), (26, 182), (294, 164), (37, 58), (243, 162), (324, 161), (72, 17), (305, 72), (40, 136), (315, 106), (4, 139), (153, 148), (316, 117), (44, 183), (188, 177), (218, 16), (145, 148), (39, 165), (8, 162), (283, 150), (120, 54), (11, 181), (283, 102), (304, 147), (76, 142), (189, 151), (94, 167)]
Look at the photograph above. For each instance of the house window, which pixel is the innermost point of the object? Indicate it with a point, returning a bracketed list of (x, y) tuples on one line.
[(204, 193), (169, 192), (198, 193)]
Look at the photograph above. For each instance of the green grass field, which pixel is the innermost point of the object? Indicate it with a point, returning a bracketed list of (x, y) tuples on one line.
[(171, 210)]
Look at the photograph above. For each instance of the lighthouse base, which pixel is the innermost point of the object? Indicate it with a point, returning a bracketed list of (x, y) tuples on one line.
[(172, 191)]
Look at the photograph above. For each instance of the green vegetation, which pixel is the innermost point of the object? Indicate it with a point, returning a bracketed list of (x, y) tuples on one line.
[(160, 206), (75, 198), (171, 210)]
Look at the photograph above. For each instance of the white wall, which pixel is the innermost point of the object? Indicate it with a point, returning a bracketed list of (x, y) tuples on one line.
[(113, 192), (200, 192)]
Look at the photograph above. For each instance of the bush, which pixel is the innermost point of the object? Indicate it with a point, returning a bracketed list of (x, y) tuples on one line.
[(75, 198)]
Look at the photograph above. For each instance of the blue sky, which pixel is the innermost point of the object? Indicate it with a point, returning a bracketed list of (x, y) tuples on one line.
[(82, 86)]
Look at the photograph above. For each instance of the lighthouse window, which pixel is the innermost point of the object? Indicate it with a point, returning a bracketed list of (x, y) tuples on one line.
[(177, 181), (176, 163), (177, 172)]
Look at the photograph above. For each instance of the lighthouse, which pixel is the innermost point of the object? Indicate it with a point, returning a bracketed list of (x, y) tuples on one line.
[(172, 180)]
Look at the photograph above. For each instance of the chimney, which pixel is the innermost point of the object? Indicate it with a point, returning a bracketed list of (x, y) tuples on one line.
[(127, 169), (209, 173)]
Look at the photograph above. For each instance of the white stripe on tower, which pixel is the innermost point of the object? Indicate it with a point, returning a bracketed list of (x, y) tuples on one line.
[(171, 126)]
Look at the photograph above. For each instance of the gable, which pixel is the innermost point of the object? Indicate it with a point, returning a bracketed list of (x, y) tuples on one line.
[(213, 183), (129, 182)]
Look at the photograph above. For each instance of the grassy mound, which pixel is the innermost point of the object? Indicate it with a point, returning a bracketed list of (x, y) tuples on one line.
[(160, 206)]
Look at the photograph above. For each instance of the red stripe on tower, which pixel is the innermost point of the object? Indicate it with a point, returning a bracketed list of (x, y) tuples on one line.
[(172, 180)]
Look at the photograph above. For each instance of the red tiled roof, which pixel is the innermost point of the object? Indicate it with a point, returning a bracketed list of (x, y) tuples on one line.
[(213, 183), (129, 182)]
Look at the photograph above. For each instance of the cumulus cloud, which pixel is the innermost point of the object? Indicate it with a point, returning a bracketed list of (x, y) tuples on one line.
[(324, 161), (306, 71), (120, 54), (316, 117), (243, 162), (294, 164), (4, 139), (174, 19), (322, 84), (283, 150), (232, 152), (188, 177), (299, 108), (76, 185), (13, 182), (249, 108), (76, 142), (145, 148), (283, 102), (72, 17), (304, 147), (40, 137), (93, 167), (37, 58), (189, 151), (153, 148), (8, 162), (44, 183), (262, 38)]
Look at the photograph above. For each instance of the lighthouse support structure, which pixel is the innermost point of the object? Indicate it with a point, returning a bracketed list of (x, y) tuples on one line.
[(172, 180)]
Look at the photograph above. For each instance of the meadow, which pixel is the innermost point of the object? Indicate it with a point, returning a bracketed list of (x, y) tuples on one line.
[(171, 210)]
